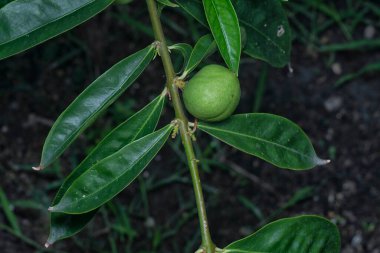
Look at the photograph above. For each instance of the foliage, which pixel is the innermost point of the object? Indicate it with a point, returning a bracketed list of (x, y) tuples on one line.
[(258, 28)]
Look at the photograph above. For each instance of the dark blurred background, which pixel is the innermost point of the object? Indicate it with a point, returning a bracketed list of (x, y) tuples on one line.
[(331, 89)]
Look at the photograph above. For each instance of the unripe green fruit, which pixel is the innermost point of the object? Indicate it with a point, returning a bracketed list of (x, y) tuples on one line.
[(212, 94)]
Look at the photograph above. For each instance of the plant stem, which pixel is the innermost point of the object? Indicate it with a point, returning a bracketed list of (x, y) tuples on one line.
[(207, 244)]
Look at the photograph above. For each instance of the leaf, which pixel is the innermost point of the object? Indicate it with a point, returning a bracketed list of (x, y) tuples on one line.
[(267, 29), (268, 35), (355, 45), (167, 3), (373, 67), (110, 176), (8, 212), (302, 234), (184, 49), (195, 9), (299, 195), (26, 23), (91, 102), (225, 28), (273, 138), (252, 207), (204, 47), (5, 2), (140, 124)]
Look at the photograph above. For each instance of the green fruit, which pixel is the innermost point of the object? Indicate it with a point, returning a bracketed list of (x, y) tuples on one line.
[(212, 94)]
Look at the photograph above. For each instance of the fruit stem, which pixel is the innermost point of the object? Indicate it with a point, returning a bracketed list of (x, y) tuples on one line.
[(183, 123)]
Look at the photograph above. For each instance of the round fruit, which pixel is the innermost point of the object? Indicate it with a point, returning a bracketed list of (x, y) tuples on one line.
[(212, 94)]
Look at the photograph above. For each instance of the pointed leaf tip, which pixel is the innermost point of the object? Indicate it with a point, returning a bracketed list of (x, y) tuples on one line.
[(140, 124), (38, 168), (270, 137), (89, 105), (51, 209), (319, 161), (47, 245), (88, 193)]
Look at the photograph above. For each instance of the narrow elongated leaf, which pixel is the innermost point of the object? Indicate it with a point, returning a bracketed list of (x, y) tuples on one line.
[(6, 208), (140, 124), (195, 9), (268, 35), (225, 28), (373, 67), (167, 3), (302, 234), (267, 30), (184, 49), (108, 177), (91, 102), (273, 138), (26, 23), (203, 48)]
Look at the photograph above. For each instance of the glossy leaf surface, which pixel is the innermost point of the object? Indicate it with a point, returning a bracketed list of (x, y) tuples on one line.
[(203, 48), (140, 124), (92, 101), (184, 49), (272, 138), (225, 28), (268, 35), (302, 234), (108, 177), (26, 23), (267, 29), (195, 9)]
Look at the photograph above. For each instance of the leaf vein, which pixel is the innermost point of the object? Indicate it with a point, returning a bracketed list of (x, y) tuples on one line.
[(259, 139)]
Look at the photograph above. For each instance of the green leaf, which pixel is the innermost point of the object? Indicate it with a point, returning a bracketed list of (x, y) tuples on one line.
[(268, 35), (91, 102), (26, 23), (267, 29), (195, 9), (273, 138), (167, 3), (6, 207), (373, 67), (140, 124), (204, 47), (111, 175), (184, 49), (302, 234), (225, 28)]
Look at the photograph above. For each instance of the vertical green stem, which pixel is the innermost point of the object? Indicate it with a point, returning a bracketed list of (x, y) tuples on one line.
[(207, 243)]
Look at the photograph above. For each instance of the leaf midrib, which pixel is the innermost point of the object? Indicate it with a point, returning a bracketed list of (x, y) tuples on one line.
[(74, 133), (106, 185), (258, 139), (132, 140), (147, 120), (263, 34), (223, 32), (189, 67), (49, 23)]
